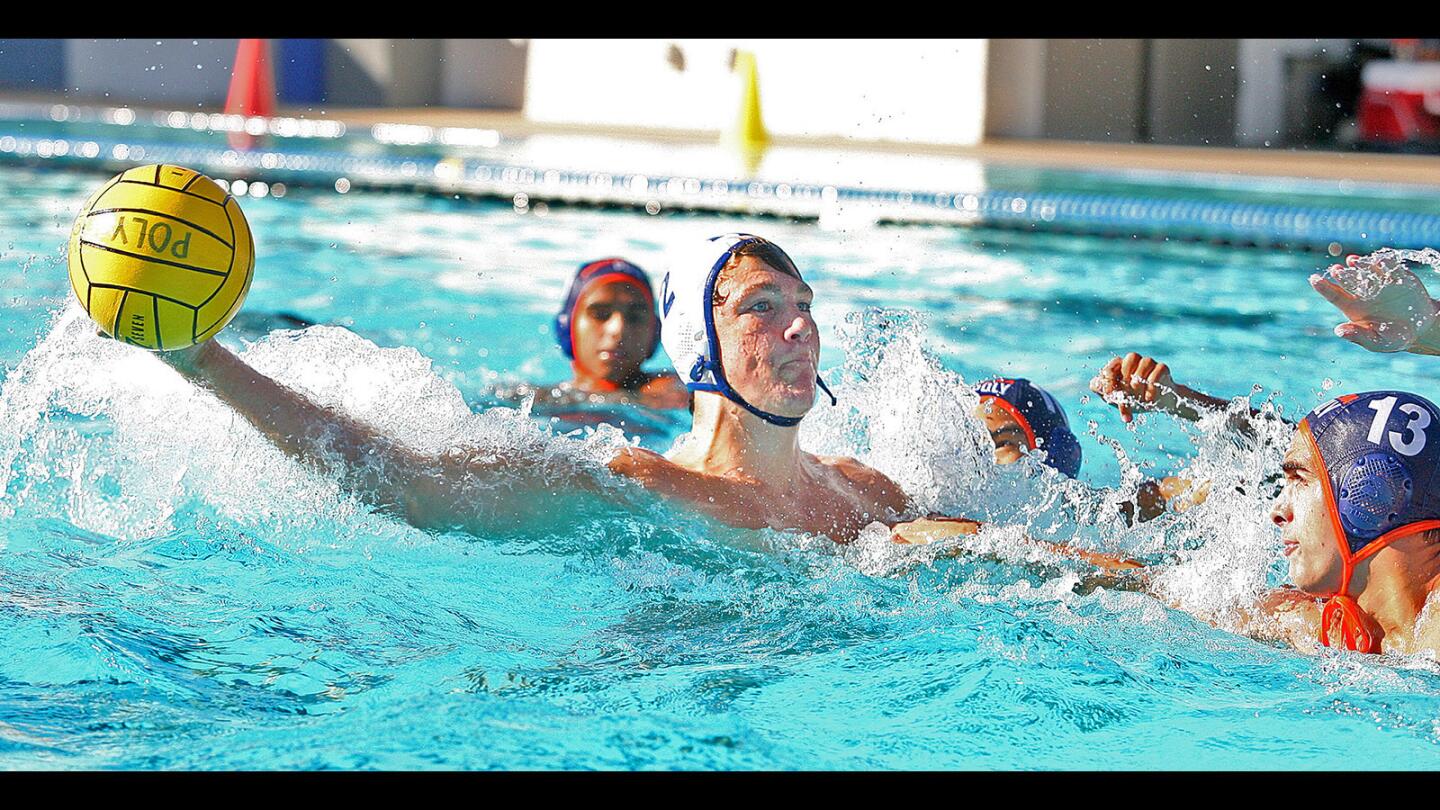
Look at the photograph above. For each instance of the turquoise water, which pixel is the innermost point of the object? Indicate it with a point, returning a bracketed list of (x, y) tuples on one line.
[(175, 593)]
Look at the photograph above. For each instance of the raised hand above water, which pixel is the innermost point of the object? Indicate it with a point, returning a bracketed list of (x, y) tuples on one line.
[(1136, 382), (1388, 307)]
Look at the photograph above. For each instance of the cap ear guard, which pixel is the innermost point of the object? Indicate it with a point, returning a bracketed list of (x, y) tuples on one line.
[(562, 333), (564, 317), (1062, 451), (1375, 491)]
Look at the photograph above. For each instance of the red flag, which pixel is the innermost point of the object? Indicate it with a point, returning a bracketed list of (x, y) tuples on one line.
[(252, 90)]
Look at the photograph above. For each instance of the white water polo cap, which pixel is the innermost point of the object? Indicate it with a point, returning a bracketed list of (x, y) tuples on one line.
[(687, 318)]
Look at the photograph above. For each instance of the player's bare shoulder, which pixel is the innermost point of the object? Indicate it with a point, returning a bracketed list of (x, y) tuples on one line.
[(640, 464), (867, 483), (664, 391)]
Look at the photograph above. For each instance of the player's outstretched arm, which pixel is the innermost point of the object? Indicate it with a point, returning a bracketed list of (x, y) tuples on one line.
[(934, 528), (455, 490), (1386, 305)]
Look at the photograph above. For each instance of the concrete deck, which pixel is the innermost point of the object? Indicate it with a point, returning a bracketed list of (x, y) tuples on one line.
[(1317, 164), (1320, 165)]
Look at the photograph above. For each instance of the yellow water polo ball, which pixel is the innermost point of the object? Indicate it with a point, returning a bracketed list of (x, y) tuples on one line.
[(161, 257)]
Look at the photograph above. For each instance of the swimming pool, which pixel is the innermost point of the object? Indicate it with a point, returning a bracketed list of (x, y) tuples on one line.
[(176, 594)]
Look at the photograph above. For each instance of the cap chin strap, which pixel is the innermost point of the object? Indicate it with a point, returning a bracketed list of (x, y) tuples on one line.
[(1008, 407), (714, 365), (1356, 626), (722, 387), (1341, 610)]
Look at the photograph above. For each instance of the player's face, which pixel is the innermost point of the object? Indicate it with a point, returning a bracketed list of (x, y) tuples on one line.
[(1306, 529), (614, 324), (768, 340), (1010, 440)]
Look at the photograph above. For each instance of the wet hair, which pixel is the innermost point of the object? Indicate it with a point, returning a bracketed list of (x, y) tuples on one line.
[(764, 250)]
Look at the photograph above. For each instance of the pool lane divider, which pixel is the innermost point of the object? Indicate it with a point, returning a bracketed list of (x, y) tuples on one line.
[(1106, 215)]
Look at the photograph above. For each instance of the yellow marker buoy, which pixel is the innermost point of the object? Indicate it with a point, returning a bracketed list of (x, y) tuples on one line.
[(749, 130)]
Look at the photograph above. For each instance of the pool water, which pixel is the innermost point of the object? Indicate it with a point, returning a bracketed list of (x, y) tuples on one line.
[(175, 593)]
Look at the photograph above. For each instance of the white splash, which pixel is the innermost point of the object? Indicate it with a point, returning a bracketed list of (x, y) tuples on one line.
[(121, 440), (901, 412), (1367, 276)]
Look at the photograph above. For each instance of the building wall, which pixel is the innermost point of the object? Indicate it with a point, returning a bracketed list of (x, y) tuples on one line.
[(356, 72), (415, 72), (1192, 91), (488, 73), (150, 72), (940, 91), (932, 91), (1176, 91), (1015, 88), (1093, 89), (32, 65), (299, 71), (1261, 96)]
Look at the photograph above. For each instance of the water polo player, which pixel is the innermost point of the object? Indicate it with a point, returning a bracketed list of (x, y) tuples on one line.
[(736, 325), (1022, 417), (1359, 514), (608, 327), (737, 298)]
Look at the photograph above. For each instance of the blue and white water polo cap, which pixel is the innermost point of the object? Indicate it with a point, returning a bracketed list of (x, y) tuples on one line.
[(687, 317)]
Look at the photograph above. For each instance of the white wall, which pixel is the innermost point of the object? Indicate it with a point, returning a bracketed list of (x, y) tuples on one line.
[(929, 91)]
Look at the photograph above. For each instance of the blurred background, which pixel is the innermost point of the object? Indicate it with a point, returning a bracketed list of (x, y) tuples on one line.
[(174, 593), (1381, 94)]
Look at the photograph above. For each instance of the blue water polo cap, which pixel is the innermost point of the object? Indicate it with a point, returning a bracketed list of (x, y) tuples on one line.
[(1040, 416), (603, 271), (1381, 456)]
